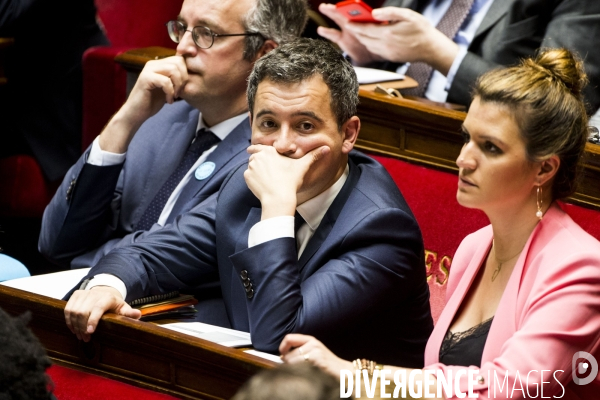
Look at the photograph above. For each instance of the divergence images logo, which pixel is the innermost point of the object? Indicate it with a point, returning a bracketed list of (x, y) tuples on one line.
[(588, 367)]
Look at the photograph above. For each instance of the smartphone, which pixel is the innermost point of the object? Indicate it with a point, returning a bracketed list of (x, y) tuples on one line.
[(356, 11)]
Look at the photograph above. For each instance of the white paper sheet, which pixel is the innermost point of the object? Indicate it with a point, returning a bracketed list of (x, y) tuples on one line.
[(216, 334), (372, 75), (55, 285), (268, 356)]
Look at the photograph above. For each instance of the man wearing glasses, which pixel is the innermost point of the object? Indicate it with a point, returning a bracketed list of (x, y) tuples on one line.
[(155, 161)]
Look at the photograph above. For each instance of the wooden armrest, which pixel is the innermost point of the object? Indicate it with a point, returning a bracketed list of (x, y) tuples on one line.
[(134, 60)]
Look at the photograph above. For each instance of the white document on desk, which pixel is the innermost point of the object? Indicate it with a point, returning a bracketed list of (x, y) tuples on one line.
[(266, 356), (55, 285), (372, 75), (212, 333)]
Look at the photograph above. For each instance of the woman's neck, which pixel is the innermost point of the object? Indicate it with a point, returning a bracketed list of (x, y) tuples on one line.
[(513, 227)]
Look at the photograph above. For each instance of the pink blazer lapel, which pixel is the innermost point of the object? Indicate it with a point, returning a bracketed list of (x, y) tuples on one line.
[(506, 319)]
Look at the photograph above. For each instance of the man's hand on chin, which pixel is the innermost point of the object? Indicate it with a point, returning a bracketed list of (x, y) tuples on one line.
[(85, 308), (275, 179)]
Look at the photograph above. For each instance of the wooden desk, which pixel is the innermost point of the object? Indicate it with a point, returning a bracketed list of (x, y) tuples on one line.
[(415, 130), (136, 352)]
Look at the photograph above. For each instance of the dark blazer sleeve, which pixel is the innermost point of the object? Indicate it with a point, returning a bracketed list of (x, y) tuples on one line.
[(180, 256), (383, 250), (80, 213), (570, 24)]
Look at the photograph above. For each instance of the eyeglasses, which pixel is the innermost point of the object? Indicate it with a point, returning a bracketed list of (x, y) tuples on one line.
[(202, 35)]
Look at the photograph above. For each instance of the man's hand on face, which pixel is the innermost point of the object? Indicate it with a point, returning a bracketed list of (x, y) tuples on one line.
[(85, 308), (276, 179), (160, 82)]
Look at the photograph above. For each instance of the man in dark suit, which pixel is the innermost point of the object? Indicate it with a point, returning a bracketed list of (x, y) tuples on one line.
[(136, 174), (493, 33), (309, 236)]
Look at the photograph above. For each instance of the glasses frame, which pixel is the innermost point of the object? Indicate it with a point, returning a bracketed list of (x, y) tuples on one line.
[(206, 28)]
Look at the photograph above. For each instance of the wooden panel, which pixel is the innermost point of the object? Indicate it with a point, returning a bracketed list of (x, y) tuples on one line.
[(412, 129), (136, 352)]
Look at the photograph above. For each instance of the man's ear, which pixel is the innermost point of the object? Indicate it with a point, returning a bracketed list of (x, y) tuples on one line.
[(548, 169), (350, 131), (267, 46)]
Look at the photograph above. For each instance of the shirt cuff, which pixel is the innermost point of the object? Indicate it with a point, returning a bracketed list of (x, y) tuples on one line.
[(462, 52), (108, 280), (103, 158), (270, 229)]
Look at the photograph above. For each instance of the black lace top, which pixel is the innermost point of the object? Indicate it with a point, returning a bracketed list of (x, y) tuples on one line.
[(465, 348)]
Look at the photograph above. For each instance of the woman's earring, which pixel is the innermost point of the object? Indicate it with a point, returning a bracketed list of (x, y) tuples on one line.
[(539, 212)]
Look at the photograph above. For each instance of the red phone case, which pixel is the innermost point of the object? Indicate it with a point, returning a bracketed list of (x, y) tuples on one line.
[(356, 11)]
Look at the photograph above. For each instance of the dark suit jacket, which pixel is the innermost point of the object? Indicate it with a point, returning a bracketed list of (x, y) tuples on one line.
[(515, 29), (360, 284), (99, 212)]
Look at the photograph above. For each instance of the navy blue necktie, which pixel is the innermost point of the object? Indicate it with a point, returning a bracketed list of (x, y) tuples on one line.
[(298, 222), (203, 141)]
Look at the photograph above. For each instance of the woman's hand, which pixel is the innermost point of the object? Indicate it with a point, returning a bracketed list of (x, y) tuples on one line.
[(296, 348)]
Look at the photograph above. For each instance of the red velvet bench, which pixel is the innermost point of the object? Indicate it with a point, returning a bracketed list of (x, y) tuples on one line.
[(431, 194), (70, 384)]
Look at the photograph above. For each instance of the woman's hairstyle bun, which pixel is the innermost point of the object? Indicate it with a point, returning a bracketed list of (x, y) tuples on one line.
[(561, 65)]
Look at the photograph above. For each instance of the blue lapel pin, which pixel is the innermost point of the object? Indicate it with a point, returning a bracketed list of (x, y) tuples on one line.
[(204, 170)]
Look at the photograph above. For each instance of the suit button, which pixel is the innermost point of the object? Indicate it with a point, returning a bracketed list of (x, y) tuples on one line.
[(244, 274), (247, 283), (249, 288), (250, 294)]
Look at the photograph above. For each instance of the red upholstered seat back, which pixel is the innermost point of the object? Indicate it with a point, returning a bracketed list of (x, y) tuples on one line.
[(137, 23), (431, 195), (70, 384), (128, 24), (23, 190)]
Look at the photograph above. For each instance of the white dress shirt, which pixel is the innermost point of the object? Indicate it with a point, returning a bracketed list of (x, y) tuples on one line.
[(312, 211), (437, 89)]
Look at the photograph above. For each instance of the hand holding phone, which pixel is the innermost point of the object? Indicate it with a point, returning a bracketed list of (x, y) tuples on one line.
[(356, 11)]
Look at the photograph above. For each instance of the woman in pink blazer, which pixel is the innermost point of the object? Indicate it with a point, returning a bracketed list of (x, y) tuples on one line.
[(522, 318)]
